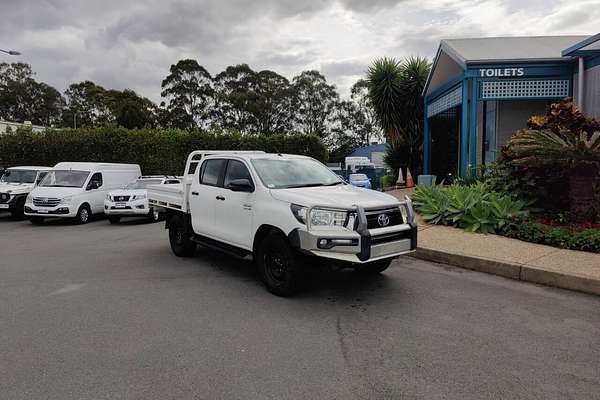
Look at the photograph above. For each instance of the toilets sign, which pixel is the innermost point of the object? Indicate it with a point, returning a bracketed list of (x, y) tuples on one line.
[(500, 72)]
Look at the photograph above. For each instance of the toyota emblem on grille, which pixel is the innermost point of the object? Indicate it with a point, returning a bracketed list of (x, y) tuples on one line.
[(383, 220)]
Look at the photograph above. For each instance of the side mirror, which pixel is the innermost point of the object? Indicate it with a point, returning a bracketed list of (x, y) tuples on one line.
[(92, 185), (240, 185)]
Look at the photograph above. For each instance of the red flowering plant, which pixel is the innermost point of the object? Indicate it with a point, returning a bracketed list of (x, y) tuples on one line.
[(566, 140)]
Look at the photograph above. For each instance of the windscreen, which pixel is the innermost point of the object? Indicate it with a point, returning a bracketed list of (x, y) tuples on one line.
[(293, 173), (358, 177), (66, 178), (18, 176), (143, 183)]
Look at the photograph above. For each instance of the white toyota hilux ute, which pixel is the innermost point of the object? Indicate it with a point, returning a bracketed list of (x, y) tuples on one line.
[(15, 184), (278, 209)]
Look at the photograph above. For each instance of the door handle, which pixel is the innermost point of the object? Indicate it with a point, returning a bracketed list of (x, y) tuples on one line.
[(220, 198), (194, 193)]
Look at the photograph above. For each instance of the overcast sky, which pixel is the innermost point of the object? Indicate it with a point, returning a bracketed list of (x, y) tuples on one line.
[(131, 44)]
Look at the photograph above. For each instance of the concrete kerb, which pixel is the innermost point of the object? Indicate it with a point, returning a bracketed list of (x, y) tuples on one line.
[(512, 270)]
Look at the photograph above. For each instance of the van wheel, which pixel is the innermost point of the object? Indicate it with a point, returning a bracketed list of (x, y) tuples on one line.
[(373, 268), (181, 243), (279, 265), (154, 215), (36, 220), (83, 215), (114, 219)]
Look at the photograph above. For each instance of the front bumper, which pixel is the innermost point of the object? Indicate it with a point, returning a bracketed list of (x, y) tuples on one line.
[(61, 210), (361, 245), (133, 207), (13, 203)]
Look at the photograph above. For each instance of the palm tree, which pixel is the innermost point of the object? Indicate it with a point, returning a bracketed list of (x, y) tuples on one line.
[(578, 152), (395, 89)]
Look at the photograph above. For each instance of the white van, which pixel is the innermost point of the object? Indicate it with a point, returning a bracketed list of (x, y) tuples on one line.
[(77, 190)]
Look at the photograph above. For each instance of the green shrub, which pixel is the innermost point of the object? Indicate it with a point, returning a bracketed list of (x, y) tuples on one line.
[(386, 181), (585, 240), (474, 208), (158, 151)]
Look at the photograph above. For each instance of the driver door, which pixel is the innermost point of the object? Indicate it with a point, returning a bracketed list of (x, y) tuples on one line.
[(96, 195)]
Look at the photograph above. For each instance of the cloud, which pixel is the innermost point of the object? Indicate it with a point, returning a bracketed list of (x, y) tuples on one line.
[(131, 44)]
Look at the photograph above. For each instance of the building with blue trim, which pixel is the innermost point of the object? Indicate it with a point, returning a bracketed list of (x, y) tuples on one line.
[(374, 152), (481, 90)]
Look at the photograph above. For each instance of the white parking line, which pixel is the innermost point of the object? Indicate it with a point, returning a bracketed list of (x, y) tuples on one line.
[(69, 288)]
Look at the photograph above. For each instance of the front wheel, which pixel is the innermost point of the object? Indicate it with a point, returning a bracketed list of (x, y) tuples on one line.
[(279, 265), (83, 215), (181, 243), (373, 268)]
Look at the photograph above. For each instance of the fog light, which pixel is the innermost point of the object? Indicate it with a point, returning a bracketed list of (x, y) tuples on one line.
[(331, 243)]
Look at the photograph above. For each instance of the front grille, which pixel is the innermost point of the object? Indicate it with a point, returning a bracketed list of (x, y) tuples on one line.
[(121, 198), (391, 237), (377, 218), (4, 197), (45, 201), (120, 208)]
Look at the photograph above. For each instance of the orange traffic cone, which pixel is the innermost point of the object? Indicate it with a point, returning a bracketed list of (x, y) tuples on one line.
[(409, 179)]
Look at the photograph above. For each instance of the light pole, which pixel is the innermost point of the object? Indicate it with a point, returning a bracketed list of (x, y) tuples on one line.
[(11, 52)]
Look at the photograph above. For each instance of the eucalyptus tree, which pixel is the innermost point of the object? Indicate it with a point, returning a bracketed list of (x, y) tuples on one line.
[(314, 102), (22, 98), (188, 90)]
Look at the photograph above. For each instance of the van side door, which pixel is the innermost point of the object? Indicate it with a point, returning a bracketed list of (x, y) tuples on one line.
[(203, 195), (233, 210)]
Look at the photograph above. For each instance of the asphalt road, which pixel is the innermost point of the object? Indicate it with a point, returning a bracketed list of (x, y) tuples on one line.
[(107, 312)]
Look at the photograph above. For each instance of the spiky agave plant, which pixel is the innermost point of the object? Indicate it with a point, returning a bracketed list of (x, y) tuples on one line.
[(579, 152)]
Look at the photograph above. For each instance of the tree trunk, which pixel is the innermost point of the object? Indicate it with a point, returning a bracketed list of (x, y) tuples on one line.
[(581, 192)]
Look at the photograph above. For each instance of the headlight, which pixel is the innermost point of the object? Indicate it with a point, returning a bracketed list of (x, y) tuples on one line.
[(66, 200), (299, 212), (29, 198), (321, 217), (107, 196), (138, 197)]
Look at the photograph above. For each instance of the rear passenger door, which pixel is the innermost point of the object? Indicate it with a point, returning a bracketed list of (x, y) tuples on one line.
[(203, 193), (233, 210)]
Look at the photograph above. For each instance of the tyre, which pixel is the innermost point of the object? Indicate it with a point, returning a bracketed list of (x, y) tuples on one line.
[(181, 243), (114, 219), (18, 212), (153, 215), (36, 220), (375, 267), (279, 265), (83, 215)]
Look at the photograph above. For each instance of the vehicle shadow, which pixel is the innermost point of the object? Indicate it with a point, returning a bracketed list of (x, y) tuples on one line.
[(129, 221), (345, 286)]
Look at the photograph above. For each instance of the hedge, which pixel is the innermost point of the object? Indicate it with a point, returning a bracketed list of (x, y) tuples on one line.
[(158, 151)]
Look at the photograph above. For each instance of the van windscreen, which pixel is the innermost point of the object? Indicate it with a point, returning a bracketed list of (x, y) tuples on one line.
[(65, 178)]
